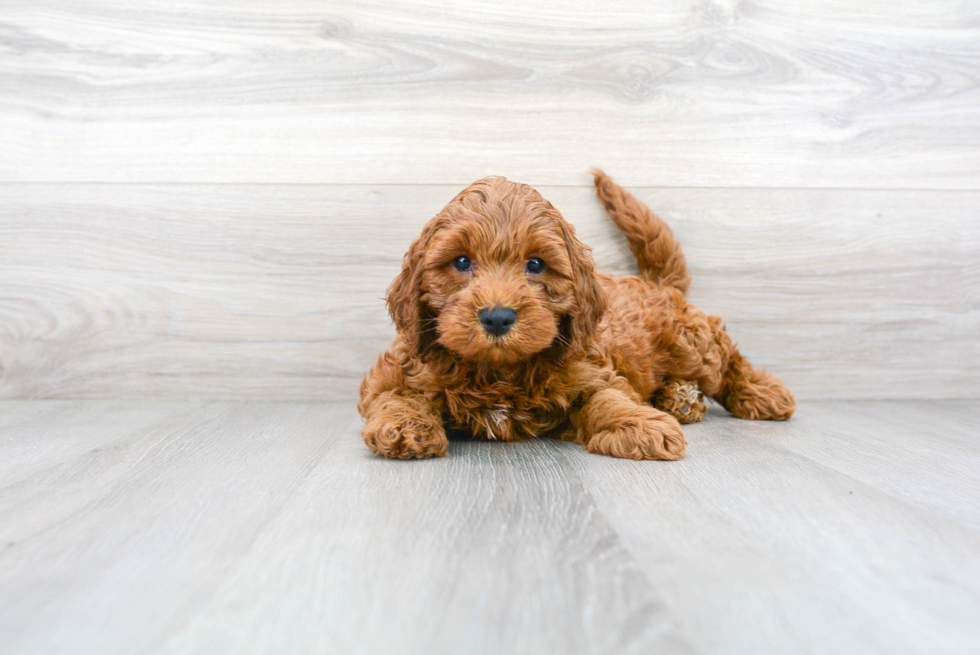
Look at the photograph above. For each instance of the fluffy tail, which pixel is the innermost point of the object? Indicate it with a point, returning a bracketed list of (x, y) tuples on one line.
[(658, 255)]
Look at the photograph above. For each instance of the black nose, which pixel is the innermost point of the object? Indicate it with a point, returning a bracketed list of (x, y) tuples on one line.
[(497, 321)]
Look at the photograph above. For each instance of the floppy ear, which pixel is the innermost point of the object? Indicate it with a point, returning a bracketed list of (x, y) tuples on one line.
[(590, 299), (412, 317)]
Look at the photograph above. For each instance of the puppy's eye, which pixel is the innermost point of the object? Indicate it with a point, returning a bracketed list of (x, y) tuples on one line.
[(534, 265), (462, 263)]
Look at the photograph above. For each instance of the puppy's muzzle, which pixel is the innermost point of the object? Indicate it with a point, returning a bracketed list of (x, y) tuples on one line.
[(498, 320)]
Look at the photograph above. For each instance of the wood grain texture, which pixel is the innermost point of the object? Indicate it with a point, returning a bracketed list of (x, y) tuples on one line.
[(199, 291), (711, 93), (182, 527)]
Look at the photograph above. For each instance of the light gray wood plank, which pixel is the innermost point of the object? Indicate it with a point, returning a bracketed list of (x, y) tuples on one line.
[(809, 536), (707, 94), (38, 438), (231, 291), (270, 528), (147, 526), (926, 454)]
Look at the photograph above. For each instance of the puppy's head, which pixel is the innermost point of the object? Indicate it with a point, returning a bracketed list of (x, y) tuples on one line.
[(497, 276)]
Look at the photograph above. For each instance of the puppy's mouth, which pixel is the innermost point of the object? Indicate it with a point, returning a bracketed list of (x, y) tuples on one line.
[(484, 347), (500, 351), (476, 344)]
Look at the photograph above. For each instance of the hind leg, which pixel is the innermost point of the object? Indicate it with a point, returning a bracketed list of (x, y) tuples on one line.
[(749, 393), (702, 351), (681, 399)]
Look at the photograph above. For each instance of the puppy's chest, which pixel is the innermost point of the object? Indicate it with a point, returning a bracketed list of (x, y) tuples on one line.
[(502, 416)]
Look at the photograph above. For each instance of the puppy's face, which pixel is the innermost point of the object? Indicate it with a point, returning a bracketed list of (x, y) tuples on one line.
[(499, 283), (497, 277)]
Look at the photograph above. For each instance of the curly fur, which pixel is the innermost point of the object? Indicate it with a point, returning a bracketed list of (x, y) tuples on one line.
[(614, 363)]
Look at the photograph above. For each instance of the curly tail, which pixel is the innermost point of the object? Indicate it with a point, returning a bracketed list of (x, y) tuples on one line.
[(658, 255)]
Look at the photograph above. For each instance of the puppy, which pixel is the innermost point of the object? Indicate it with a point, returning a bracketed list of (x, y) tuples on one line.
[(506, 331)]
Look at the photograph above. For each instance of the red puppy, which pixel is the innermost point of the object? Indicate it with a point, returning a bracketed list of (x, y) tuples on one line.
[(506, 330)]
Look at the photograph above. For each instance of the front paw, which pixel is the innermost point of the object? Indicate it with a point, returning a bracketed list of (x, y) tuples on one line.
[(414, 437), (648, 434)]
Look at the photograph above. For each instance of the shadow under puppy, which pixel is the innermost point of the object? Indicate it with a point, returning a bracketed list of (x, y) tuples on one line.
[(505, 330)]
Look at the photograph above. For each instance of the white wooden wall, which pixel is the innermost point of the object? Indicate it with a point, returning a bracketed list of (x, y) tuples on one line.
[(208, 199)]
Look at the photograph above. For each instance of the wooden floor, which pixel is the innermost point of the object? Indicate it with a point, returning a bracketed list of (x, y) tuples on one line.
[(176, 527)]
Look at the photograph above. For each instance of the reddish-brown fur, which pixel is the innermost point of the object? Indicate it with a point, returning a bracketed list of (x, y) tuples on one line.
[(614, 363)]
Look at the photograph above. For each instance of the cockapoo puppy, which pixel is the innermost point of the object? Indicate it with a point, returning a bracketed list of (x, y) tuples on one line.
[(506, 331)]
